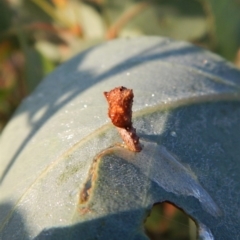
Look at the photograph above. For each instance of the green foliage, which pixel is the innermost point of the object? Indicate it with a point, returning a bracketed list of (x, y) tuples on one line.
[(5, 17), (225, 25)]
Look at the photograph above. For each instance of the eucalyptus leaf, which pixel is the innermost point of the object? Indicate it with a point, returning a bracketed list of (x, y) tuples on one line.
[(183, 19), (5, 17), (64, 174), (226, 17)]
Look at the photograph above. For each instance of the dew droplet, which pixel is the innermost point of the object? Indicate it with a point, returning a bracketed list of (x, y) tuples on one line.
[(206, 63), (73, 192), (70, 136), (173, 134)]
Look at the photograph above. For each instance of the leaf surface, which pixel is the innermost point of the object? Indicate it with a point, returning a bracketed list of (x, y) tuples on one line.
[(63, 175)]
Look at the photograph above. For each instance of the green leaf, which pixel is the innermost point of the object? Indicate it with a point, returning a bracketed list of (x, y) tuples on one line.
[(5, 16), (226, 20), (177, 19), (35, 66), (63, 175)]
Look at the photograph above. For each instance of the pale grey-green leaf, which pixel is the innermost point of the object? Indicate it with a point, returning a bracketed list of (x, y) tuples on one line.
[(186, 105)]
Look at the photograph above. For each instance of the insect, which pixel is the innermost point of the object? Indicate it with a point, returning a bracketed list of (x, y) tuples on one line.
[(120, 100)]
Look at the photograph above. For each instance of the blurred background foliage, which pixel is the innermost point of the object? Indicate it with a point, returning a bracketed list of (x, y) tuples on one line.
[(37, 35), (167, 222)]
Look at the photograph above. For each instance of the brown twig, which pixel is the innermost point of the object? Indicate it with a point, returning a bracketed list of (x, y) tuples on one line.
[(129, 14), (120, 101)]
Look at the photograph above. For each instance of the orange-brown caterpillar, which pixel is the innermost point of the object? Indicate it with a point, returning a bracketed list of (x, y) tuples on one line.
[(120, 101)]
